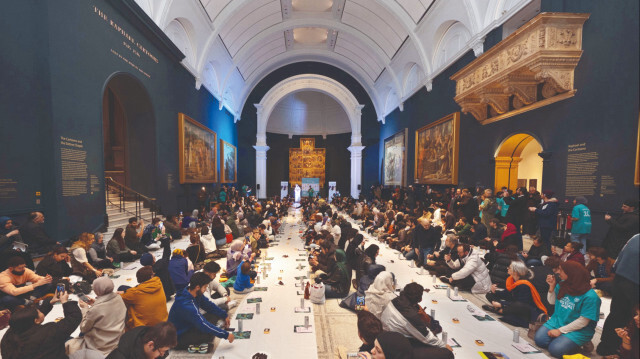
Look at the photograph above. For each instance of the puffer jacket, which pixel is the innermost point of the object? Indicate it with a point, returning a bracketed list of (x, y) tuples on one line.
[(473, 265), (499, 273), (402, 317)]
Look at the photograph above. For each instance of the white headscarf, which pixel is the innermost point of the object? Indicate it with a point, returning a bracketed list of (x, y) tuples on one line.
[(380, 293)]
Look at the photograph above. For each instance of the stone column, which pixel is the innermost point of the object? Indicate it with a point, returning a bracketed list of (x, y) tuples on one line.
[(356, 169), (261, 171)]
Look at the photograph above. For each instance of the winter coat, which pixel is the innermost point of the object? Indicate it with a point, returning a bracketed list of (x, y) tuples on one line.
[(402, 317), (161, 270), (179, 270), (517, 210), (473, 265), (547, 214), (499, 273), (56, 270), (102, 325), (146, 304)]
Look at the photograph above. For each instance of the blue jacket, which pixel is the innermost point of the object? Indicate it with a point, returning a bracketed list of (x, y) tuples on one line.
[(547, 214), (185, 314), (243, 281), (178, 269)]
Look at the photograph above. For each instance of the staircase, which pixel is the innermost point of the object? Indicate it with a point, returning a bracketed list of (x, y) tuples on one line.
[(124, 203)]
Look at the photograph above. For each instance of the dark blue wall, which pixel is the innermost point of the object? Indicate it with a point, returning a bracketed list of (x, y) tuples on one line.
[(603, 113), (247, 127), (56, 69)]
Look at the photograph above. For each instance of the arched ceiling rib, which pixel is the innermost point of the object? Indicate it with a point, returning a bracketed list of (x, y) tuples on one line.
[(376, 41)]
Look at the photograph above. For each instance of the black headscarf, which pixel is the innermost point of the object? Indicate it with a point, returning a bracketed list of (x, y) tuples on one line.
[(372, 252)]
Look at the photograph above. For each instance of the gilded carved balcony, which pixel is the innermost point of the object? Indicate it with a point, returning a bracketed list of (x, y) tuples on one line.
[(531, 68)]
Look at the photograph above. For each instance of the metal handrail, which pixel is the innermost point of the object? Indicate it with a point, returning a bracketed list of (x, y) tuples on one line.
[(123, 192)]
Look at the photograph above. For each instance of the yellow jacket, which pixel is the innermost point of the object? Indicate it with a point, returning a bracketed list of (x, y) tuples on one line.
[(146, 304)]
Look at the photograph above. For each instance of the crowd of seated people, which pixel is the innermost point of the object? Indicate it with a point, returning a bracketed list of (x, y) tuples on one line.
[(136, 321), (486, 256), (483, 255)]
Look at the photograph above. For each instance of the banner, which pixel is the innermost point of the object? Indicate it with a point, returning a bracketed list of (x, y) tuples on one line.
[(310, 183), (332, 190), (284, 189)]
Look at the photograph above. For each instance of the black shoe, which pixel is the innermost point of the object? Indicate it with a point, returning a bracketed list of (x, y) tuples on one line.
[(489, 308)]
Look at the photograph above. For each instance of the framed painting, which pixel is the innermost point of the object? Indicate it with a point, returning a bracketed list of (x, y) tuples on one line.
[(197, 151), (228, 162), (436, 154), (395, 160)]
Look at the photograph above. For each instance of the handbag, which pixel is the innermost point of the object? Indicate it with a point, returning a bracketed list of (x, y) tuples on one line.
[(316, 293), (229, 237), (82, 286)]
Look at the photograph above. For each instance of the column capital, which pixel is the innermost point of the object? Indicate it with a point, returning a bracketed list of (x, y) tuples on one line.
[(354, 149)]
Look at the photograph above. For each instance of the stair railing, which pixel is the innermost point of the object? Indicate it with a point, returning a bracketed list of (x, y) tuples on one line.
[(124, 194)]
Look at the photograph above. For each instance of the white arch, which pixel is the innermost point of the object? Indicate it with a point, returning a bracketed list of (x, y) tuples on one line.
[(308, 82)]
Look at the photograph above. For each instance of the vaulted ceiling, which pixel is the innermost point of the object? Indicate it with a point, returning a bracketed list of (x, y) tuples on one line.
[(392, 47)]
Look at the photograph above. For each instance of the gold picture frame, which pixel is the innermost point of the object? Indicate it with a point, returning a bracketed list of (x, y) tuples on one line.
[(394, 164), (436, 151), (197, 160), (228, 162)]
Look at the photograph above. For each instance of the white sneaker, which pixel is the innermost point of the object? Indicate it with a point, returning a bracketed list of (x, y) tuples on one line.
[(232, 304)]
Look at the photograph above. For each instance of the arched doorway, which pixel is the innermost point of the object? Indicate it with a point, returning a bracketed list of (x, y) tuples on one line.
[(128, 132), (518, 163), (309, 82)]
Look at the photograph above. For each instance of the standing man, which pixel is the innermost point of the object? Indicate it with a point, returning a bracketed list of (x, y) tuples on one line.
[(546, 216), (517, 208), (531, 220), (581, 218), (621, 228)]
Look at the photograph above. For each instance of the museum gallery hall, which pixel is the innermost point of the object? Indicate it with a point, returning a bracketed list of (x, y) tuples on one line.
[(319, 179)]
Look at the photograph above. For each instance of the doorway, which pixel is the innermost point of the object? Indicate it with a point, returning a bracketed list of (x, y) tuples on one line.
[(518, 163), (114, 136), (129, 134)]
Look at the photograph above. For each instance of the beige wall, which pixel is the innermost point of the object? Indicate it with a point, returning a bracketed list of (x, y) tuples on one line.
[(531, 165)]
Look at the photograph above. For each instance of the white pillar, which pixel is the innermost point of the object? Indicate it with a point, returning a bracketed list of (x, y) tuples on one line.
[(356, 169), (261, 171)]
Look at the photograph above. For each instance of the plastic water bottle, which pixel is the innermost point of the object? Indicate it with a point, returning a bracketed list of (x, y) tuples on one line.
[(433, 314), (445, 337), (516, 336), (455, 291), (257, 308), (302, 303), (239, 325), (448, 292), (306, 322)]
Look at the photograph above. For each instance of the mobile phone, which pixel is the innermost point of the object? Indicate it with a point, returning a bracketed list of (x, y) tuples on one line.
[(359, 303), (83, 298), (60, 288)]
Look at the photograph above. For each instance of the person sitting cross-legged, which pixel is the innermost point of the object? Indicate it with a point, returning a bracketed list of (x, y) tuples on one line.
[(146, 302), (14, 290), (217, 292), (472, 274), (194, 328), (577, 310), (243, 284)]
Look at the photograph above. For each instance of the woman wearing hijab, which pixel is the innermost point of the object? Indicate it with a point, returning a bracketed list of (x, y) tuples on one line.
[(380, 293), (577, 310), (103, 323)]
